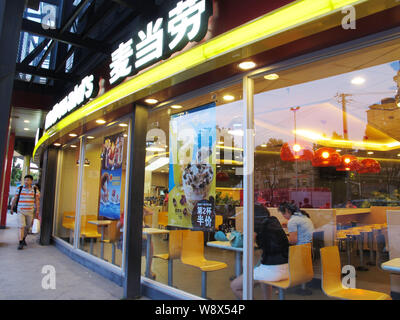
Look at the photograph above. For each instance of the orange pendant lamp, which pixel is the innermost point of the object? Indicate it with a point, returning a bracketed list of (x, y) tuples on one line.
[(349, 163), (326, 157), (369, 166), (295, 152)]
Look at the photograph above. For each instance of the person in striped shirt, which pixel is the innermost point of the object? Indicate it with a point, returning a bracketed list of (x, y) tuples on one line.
[(27, 200)]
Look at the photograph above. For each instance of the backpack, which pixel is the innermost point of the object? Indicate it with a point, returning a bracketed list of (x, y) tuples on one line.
[(15, 208)]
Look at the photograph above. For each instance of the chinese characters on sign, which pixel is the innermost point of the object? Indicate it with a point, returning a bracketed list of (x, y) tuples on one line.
[(186, 21), (204, 216)]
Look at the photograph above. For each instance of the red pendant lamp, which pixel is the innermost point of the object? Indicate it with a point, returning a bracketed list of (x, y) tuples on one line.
[(295, 152), (326, 157), (349, 163), (369, 166)]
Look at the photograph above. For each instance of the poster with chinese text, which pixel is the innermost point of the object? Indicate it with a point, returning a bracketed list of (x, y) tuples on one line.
[(192, 169)]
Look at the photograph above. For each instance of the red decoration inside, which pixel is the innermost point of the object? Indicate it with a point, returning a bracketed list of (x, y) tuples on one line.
[(296, 152), (326, 157), (349, 163), (369, 166)]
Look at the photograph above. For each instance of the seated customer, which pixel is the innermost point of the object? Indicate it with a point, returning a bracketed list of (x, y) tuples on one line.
[(299, 225), (272, 240)]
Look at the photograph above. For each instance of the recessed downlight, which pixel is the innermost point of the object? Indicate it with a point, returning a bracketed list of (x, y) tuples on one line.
[(228, 97), (151, 101), (57, 144), (247, 65), (90, 137), (370, 152), (123, 124), (358, 80), (73, 135), (176, 106), (271, 77), (100, 121), (26, 121), (26, 129), (73, 146)]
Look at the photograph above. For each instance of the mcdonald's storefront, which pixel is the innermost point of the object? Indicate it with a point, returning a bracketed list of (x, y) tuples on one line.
[(211, 108)]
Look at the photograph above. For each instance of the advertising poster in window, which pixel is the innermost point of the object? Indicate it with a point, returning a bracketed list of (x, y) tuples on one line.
[(192, 169), (111, 173)]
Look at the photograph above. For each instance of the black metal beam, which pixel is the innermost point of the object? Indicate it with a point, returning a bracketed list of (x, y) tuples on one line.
[(126, 3), (66, 37), (34, 53), (45, 73), (100, 15)]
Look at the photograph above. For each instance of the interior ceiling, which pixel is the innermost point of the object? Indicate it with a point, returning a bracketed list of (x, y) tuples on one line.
[(25, 122)]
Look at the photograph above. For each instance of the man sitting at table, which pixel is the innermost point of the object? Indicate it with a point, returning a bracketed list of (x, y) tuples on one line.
[(271, 238)]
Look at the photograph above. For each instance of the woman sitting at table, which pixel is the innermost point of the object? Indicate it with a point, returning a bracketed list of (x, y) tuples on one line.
[(300, 226), (270, 237)]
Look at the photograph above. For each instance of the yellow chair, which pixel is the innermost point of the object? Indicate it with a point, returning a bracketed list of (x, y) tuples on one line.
[(332, 283), (193, 255), (300, 269), (218, 221), (89, 230), (148, 220), (174, 252), (67, 221), (163, 219)]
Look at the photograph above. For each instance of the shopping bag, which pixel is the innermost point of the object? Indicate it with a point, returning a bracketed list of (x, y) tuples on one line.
[(36, 226)]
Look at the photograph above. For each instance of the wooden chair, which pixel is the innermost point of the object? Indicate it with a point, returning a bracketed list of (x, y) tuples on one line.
[(332, 283), (174, 252), (193, 255), (89, 230), (163, 219), (300, 269)]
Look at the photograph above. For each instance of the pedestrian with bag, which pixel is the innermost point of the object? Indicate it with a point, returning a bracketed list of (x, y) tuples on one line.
[(26, 204)]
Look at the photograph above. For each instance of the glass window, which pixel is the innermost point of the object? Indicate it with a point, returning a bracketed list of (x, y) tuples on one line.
[(102, 203), (194, 149), (65, 207), (327, 147)]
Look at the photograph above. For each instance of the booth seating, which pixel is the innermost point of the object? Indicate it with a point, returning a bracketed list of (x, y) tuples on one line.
[(193, 255), (300, 269), (174, 251), (332, 283), (112, 236), (89, 230)]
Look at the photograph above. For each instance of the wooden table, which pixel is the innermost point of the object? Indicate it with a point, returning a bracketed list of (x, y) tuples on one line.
[(101, 224), (392, 266), (351, 211), (226, 245), (149, 232)]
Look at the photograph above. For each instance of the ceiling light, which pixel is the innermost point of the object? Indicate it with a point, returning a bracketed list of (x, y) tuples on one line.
[(123, 125), (101, 121), (325, 155), (338, 150), (228, 97), (160, 162), (347, 160), (272, 76), (237, 132), (296, 147), (151, 101), (247, 65), (57, 144), (370, 152), (264, 145), (26, 121), (90, 137), (398, 154), (358, 80), (73, 135), (220, 142), (176, 106), (125, 135), (73, 146), (26, 129)]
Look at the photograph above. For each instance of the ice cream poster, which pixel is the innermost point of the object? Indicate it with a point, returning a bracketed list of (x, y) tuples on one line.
[(111, 174), (192, 167)]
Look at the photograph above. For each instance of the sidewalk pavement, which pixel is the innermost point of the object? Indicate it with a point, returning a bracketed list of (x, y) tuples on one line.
[(21, 272)]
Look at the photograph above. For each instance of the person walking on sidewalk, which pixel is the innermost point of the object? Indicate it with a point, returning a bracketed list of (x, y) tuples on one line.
[(27, 204)]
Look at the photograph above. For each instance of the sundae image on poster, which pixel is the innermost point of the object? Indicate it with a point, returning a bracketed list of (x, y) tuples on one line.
[(192, 169), (110, 180)]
